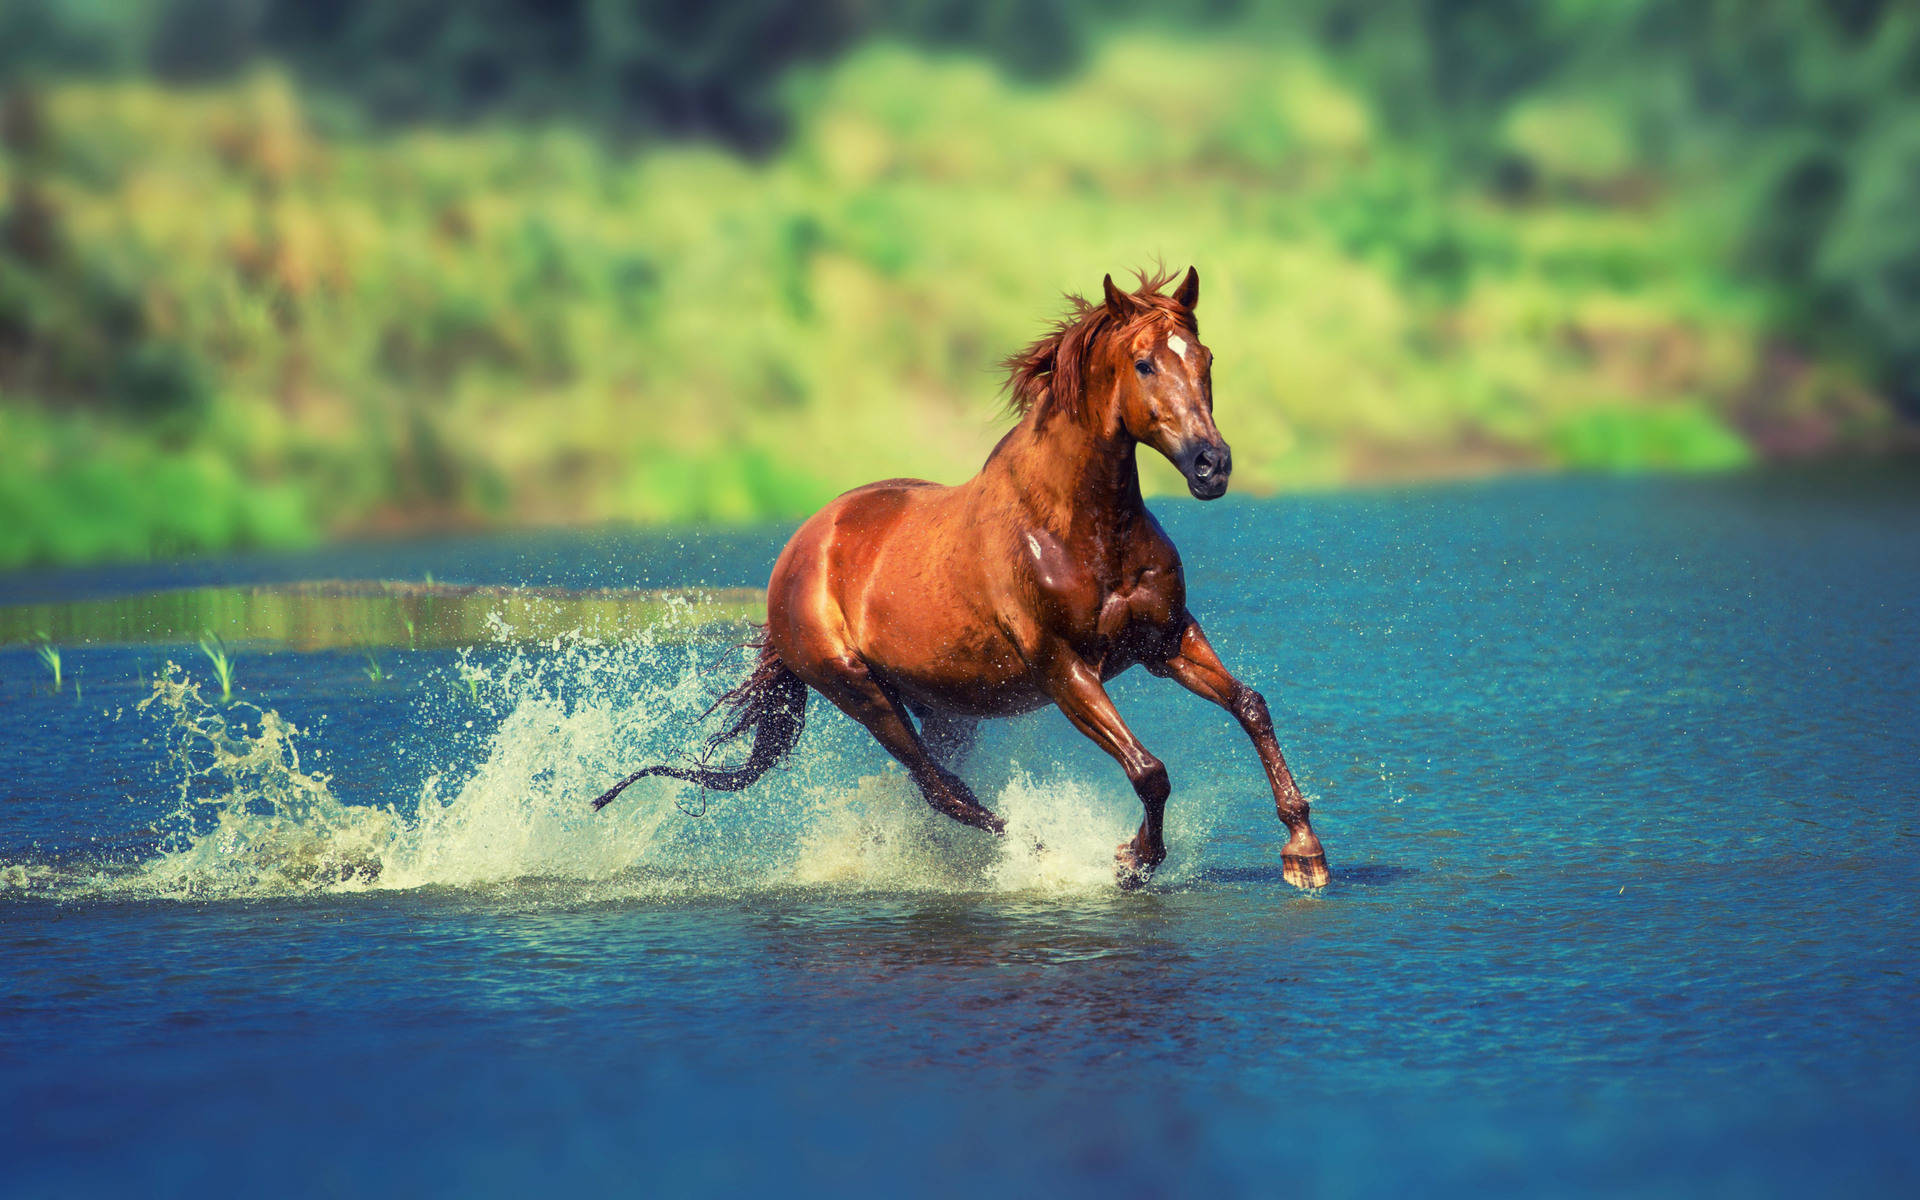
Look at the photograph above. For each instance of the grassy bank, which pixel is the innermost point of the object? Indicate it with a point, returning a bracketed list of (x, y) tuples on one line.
[(365, 614), (220, 326)]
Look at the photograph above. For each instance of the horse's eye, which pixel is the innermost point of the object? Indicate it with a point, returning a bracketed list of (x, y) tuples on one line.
[(1144, 367)]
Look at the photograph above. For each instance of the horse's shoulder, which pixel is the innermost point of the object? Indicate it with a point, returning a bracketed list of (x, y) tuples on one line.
[(1056, 568), (1150, 549)]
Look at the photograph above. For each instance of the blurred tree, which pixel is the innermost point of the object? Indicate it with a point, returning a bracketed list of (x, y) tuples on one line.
[(275, 252), (1812, 106)]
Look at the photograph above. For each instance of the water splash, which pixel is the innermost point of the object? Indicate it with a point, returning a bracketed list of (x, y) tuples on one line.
[(510, 807), (248, 817)]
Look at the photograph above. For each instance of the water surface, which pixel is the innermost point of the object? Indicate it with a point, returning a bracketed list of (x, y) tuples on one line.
[(1617, 779)]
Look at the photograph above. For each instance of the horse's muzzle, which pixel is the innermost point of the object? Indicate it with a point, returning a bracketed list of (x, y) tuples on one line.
[(1206, 466)]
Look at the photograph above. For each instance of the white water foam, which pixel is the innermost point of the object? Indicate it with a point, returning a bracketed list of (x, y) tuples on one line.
[(572, 715)]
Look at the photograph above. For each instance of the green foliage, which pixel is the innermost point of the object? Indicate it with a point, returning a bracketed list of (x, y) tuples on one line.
[(50, 657), (630, 65), (470, 676), (1678, 437), (1810, 104), (216, 652), (365, 616), (1436, 235), (73, 489)]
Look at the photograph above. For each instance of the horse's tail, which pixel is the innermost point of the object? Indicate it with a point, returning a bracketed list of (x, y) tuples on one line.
[(771, 702)]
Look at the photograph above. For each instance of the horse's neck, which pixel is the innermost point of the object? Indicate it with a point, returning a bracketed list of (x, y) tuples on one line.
[(1078, 480)]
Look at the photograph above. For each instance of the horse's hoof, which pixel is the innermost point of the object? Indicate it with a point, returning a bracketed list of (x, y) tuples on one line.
[(1305, 871), (1131, 871)]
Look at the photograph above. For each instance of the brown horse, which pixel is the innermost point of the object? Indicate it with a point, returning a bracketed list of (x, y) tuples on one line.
[(1030, 584)]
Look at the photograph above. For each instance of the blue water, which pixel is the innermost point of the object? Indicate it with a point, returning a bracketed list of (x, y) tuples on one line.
[(1617, 778)]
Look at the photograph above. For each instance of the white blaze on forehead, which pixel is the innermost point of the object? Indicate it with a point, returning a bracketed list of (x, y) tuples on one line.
[(1177, 344)]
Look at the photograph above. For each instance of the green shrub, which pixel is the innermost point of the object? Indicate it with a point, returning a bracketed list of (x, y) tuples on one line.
[(1682, 437), (264, 327)]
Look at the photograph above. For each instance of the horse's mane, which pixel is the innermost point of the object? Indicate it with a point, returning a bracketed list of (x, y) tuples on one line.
[(1051, 373)]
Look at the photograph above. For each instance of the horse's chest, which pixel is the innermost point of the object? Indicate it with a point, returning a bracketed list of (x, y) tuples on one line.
[(1101, 607), (1146, 602)]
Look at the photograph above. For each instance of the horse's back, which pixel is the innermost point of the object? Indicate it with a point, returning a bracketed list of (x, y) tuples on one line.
[(871, 511)]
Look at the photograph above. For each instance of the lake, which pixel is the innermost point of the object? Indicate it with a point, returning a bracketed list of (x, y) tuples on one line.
[(1617, 779)]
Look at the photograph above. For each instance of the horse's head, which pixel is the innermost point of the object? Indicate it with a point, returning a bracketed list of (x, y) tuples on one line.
[(1163, 382), (1133, 366)]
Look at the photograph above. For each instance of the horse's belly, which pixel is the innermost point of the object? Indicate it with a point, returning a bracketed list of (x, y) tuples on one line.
[(946, 657), (968, 697)]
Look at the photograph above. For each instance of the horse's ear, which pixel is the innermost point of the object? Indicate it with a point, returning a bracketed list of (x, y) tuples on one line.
[(1119, 303), (1189, 293)]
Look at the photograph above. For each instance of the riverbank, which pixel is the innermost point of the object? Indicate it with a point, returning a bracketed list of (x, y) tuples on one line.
[(227, 321), (371, 614)]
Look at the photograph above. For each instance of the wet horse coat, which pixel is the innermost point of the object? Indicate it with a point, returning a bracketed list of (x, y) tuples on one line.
[(1032, 583)]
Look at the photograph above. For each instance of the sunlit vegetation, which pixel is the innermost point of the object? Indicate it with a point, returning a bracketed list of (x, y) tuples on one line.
[(350, 614), (216, 651), (220, 327), (50, 658)]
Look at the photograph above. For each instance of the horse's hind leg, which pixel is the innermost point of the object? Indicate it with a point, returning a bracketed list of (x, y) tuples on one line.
[(845, 680)]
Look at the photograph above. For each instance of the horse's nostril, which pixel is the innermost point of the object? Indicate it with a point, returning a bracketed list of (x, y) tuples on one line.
[(1204, 465)]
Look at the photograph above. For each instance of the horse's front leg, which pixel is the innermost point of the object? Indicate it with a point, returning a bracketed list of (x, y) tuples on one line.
[(1198, 669), (1076, 688)]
